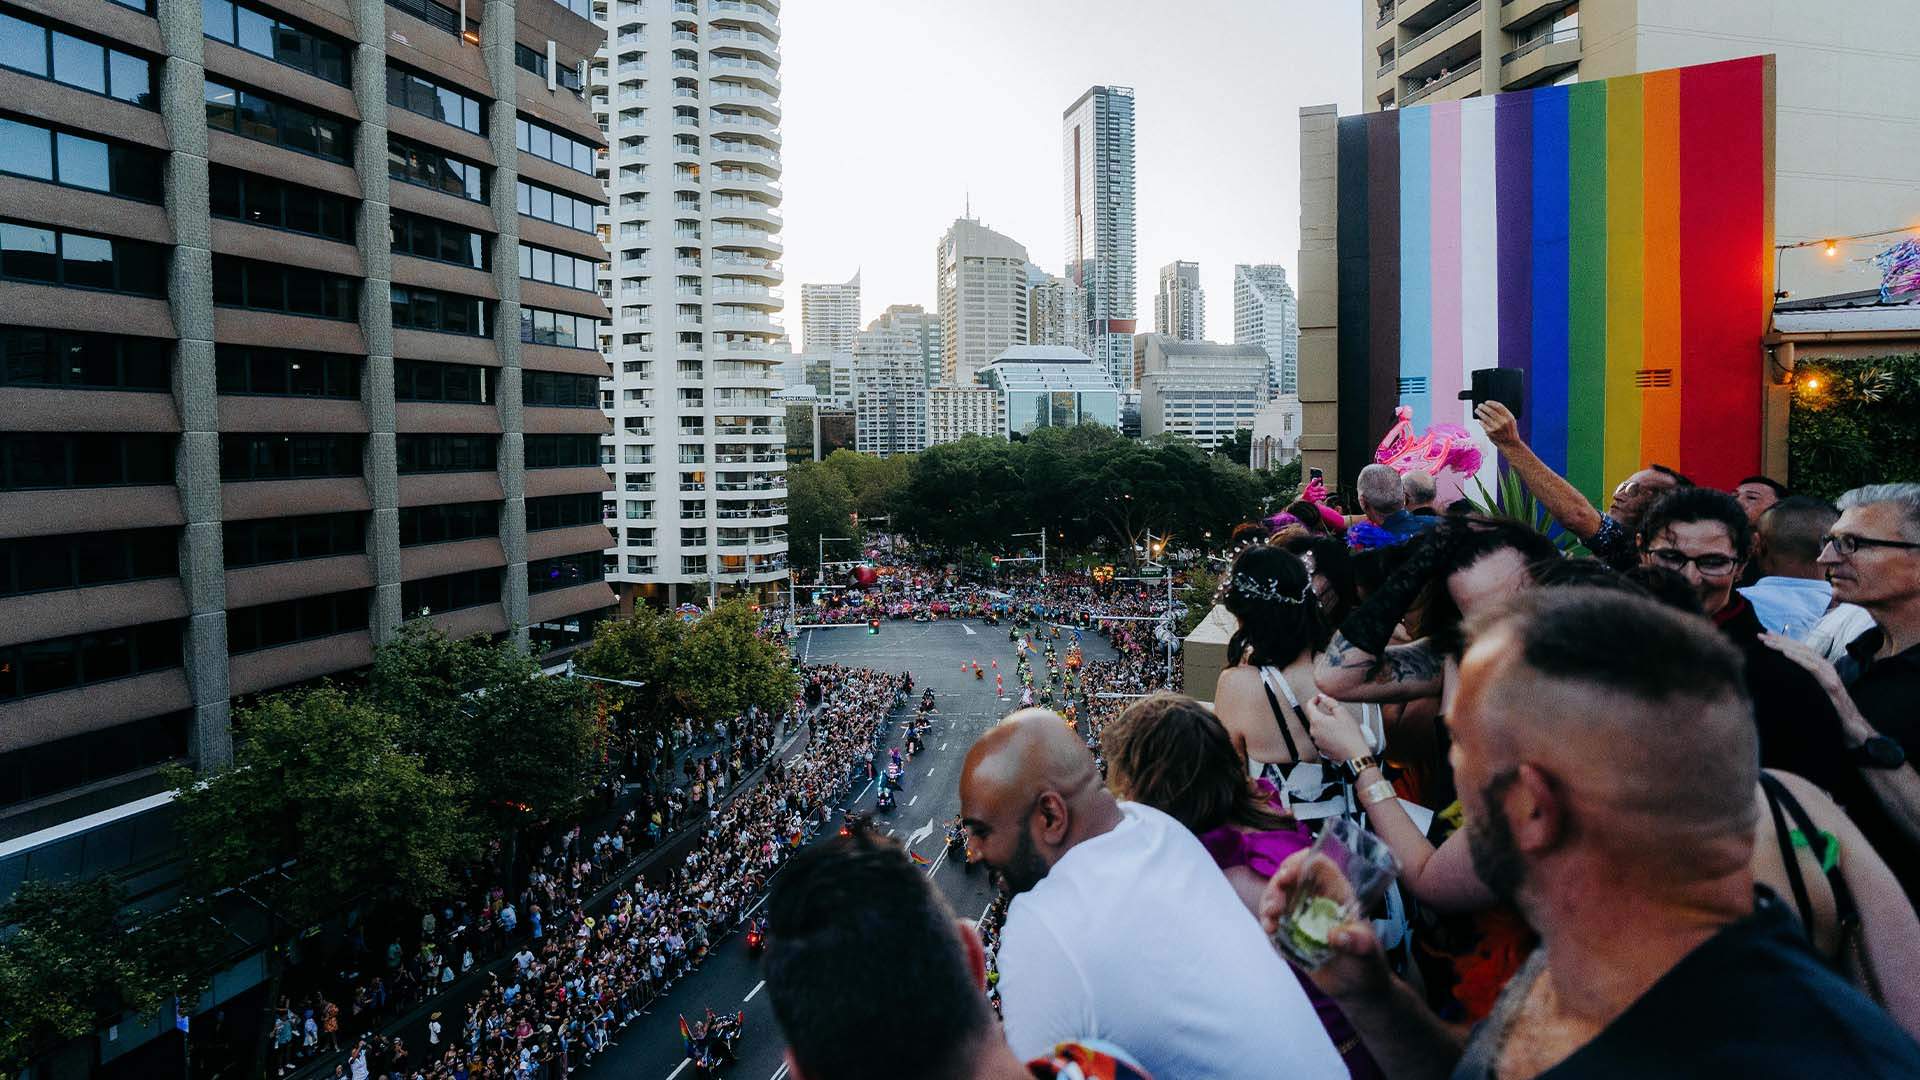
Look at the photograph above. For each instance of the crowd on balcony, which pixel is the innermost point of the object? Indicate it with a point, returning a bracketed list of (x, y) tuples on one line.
[(1646, 782)]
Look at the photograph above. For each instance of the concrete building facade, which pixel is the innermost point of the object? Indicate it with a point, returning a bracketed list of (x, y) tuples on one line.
[(890, 383), (954, 412), (690, 96), (1199, 390), (1276, 433), (830, 316), (1097, 151), (981, 281), (1054, 316), (1265, 313), (1180, 305)]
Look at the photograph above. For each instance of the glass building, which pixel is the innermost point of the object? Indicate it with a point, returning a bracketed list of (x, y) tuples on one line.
[(1050, 386)]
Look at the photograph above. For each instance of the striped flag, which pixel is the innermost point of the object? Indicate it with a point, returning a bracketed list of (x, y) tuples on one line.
[(918, 859)]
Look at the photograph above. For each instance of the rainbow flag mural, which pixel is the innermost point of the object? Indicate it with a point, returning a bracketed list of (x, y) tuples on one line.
[(1613, 239)]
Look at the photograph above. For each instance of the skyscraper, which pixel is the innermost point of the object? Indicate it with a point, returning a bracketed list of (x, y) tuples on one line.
[(1265, 314), (830, 316), (982, 282), (1053, 311), (691, 103), (889, 383), (1097, 150), (1180, 306)]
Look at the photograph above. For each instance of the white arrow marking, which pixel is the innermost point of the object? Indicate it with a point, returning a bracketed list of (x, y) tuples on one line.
[(967, 628), (920, 833)]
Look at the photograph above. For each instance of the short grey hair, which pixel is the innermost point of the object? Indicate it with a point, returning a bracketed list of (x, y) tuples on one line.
[(1905, 496), (1418, 486), (1379, 487)]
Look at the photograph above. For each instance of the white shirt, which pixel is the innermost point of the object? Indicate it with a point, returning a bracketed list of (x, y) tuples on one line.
[(1136, 938)]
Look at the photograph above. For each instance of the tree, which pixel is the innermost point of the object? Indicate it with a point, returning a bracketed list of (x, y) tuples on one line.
[(873, 482), (77, 959), (713, 668), (1237, 448), (818, 504), (321, 807)]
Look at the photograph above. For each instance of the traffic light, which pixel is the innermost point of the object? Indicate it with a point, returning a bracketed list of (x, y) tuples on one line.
[(873, 626), (996, 560)]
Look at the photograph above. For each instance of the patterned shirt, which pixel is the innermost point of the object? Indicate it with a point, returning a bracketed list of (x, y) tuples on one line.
[(1613, 543), (1077, 1061)]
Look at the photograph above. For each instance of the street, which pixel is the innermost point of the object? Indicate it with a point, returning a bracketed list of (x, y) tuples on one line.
[(730, 981)]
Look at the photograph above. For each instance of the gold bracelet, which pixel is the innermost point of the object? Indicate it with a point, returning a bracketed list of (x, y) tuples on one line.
[(1375, 793)]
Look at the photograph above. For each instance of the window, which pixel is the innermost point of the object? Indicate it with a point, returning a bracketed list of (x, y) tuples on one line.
[(437, 15), (542, 141), (448, 453), (253, 115), (311, 536), (287, 457), (449, 592), (450, 521), (276, 204), (50, 256), (557, 268), (30, 357), (417, 93), (50, 768), (562, 511), (564, 572), (77, 560), (290, 372), (43, 667), (693, 537), (268, 625), (562, 451), (441, 312), (532, 59), (547, 204), (441, 241), (411, 163), (579, 7), (295, 290), (542, 327), (47, 53), (276, 39), (560, 390), (79, 161), (693, 564), (424, 380), (32, 459)]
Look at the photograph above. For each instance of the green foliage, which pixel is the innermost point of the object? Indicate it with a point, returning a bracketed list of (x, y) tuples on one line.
[(76, 959), (1237, 449), (1852, 423), (481, 714), (709, 669), (1514, 502), (1197, 596), (819, 503), (1282, 485), (874, 483)]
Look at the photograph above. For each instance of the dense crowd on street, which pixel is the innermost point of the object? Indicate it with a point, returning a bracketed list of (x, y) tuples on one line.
[(1644, 787), (579, 969)]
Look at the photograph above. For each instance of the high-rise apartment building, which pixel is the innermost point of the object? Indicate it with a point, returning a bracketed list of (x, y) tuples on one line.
[(890, 383), (830, 316), (1265, 313), (689, 93), (954, 412), (981, 278), (1096, 139), (299, 339), (1053, 311), (1180, 305)]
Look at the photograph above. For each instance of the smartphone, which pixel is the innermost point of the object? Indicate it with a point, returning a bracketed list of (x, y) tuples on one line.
[(1508, 386), (1316, 474)]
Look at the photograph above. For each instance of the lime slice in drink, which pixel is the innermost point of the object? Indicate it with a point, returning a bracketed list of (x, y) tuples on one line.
[(1315, 921)]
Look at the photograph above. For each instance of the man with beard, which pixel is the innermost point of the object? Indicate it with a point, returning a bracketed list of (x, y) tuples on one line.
[(1121, 929), (1624, 836)]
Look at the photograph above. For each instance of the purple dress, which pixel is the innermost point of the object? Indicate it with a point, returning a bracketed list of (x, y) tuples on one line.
[(1263, 852)]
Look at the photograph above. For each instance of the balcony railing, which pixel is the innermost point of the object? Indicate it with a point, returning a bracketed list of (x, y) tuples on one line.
[(1443, 26), (1384, 17), (1385, 68), (1451, 78), (1554, 37)]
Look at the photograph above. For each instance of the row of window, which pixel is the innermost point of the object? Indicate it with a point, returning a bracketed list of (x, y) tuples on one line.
[(78, 560), (425, 380), (557, 268), (441, 241), (447, 453), (47, 53), (49, 768), (260, 456), (79, 161), (266, 286), (267, 625), (449, 592), (544, 142), (435, 14), (564, 571), (286, 372), (547, 204), (562, 451), (277, 39), (44, 667), (412, 163), (563, 511), (560, 389), (542, 327), (448, 522), (34, 459), (277, 204), (417, 93), (532, 59), (254, 115), (80, 260), (31, 357), (310, 536), (447, 313)]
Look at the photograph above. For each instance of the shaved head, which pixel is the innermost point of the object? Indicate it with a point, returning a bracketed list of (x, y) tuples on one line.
[(1029, 791)]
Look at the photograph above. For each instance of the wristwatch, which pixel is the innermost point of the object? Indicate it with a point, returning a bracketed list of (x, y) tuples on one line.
[(1354, 766), (1879, 752)]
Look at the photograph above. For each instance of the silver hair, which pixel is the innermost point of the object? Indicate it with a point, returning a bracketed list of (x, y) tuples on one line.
[(1418, 486), (1905, 496), (1379, 487)]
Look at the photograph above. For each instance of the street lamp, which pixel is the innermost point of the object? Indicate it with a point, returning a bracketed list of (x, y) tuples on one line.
[(820, 568), (1042, 534)]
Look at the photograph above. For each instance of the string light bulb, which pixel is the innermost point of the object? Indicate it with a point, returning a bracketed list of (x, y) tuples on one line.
[(1832, 248)]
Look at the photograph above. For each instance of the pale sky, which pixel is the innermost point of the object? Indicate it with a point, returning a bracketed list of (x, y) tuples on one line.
[(895, 109)]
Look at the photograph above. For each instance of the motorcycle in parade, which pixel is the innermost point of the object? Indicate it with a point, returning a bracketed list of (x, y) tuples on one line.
[(711, 1044)]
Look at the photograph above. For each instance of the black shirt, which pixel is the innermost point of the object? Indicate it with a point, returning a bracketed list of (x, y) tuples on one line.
[(1753, 1001), (1887, 691)]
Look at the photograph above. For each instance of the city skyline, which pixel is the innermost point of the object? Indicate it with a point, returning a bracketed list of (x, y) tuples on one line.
[(994, 152)]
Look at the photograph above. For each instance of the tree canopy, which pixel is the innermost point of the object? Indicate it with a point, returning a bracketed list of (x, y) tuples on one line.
[(713, 668)]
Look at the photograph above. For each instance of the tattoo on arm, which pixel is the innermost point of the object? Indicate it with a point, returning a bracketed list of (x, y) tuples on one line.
[(1408, 663)]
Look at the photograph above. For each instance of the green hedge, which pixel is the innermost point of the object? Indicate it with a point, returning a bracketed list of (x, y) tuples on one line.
[(1853, 422)]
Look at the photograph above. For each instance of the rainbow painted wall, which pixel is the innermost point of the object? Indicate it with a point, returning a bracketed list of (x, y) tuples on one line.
[(1613, 239)]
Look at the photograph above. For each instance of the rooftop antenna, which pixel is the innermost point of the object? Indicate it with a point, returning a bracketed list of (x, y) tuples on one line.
[(969, 211)]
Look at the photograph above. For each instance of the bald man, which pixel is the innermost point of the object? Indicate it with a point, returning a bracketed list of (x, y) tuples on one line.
[(1122, 930), (1608, 794)]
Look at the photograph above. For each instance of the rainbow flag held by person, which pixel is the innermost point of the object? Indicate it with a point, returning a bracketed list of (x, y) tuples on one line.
[(918, 859)]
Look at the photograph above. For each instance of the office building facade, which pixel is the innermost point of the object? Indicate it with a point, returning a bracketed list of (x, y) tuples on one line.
[(1199, 390), (1097, 150), (1053, 311), (955, 412), (890, 383), (1266, 313), (1180, 305), (689, 93), (981, 282), (1049, 386)]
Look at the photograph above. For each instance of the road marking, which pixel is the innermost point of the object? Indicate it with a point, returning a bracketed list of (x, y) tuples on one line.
[(778, 1074), (968, 629), (684, 1062), (943, 747), (755, 990), (977, 922), (937, 861), (913, 800), (921, 833), (930, 771), (863, 791)]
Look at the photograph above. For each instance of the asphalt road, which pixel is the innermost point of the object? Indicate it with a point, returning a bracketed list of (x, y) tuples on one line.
[(651, 1048)]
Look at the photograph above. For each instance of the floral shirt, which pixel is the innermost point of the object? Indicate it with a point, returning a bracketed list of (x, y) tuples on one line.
[(1077, 1061), (1613, 543)]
